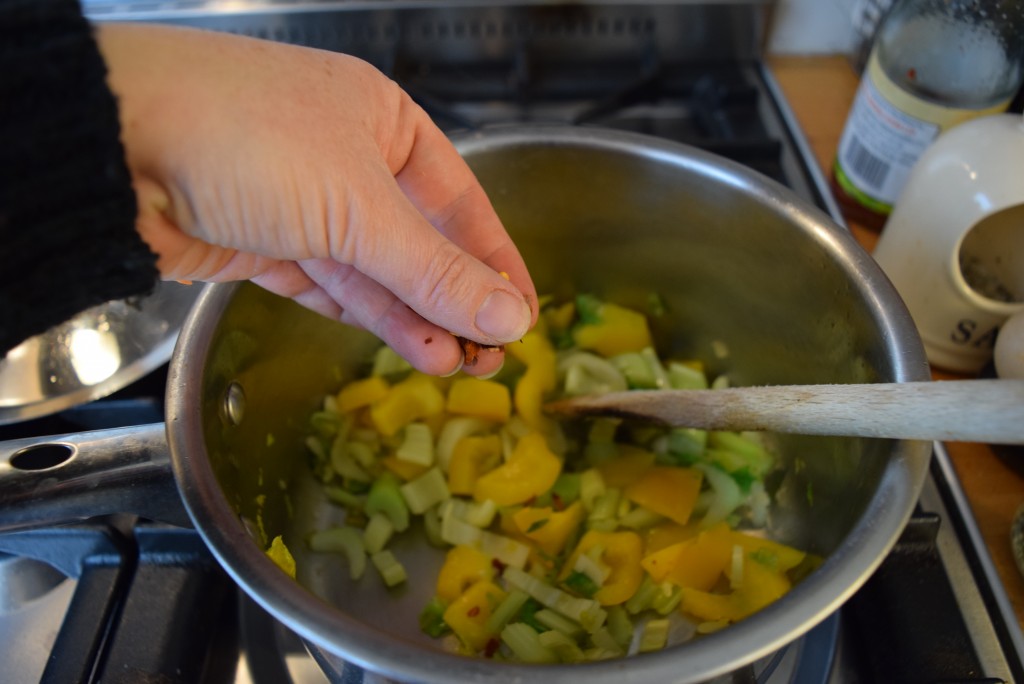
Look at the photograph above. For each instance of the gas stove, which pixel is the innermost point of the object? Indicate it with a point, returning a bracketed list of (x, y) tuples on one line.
[(123, 599)]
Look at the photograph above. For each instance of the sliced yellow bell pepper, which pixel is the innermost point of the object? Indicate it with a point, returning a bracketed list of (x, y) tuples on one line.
[(536, 352), (360, 393), (414, 398), (530, 471), (697, 563), (472, 457), (463, 567), (548, 528), (282, 556), (759, 587), (668, 491), (481, 398), (467, 615), (628, 467), (619, 331), (666, 534), (621, 552)]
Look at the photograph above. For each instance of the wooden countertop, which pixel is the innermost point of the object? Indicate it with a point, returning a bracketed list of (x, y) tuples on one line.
[(820, 91)]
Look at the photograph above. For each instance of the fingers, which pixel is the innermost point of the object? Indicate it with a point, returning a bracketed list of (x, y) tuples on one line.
[(428, 347)]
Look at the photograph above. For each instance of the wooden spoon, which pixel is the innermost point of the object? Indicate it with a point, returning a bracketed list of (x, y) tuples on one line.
[(988, 411)]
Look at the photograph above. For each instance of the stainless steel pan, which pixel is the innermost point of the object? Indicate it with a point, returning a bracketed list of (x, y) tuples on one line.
[(754, 282)]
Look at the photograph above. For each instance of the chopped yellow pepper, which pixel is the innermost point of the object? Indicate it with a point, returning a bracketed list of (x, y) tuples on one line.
[(463, 567), (548, 528), (621, 552), (472, 457), (536, 352), (530, 471), (481, 398), (628, 467), (759, 587), (666, 534), (360, 393), (668, 491), (698, 562), (414, 398), (282, 556), (468, 614), (619, 331)]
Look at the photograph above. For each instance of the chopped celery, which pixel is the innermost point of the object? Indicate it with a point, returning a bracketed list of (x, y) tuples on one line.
[(605, 507), (587, 612), (727, 495), (377, 532), (346, 540), (752, 453), (344, 463), (591, 487), (458, 532), (620, 626), (504, 549), (432, 527), (657, 370), (362, 453), (344, 497), (385, 497), (325, 423), (654, 636), (590, 565), (387, 363), (636, 370), (564, 648), (604, 640), (523, 642), (432, 618), (478, 514), (687, 445), (425, 491), (667, 600), (417, 445), (391, 571), (556, 621), (506, 610), (681, 376), (644, 596), (587, 373)]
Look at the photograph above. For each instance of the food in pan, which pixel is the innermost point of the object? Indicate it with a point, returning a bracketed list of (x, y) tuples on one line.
[(565, 541)]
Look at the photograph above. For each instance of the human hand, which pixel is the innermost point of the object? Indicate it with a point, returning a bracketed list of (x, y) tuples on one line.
[(313, 175)]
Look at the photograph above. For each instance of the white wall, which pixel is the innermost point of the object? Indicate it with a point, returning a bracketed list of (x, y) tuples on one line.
[(814, 27)]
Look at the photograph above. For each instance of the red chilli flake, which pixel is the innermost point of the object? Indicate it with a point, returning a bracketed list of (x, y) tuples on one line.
[(428, 340), (912, 74), (498, 566), (557, 503), (473, 612), (491, 647)]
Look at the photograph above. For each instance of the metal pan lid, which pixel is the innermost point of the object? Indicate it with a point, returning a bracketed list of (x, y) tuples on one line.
[(94, 354)]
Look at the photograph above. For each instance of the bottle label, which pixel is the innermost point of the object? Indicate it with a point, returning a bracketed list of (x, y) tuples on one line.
[(887, 131)]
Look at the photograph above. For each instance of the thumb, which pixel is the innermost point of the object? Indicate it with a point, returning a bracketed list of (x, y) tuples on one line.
[(438, 279)]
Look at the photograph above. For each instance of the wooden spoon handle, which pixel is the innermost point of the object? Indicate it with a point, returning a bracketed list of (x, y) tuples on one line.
[(989, 411)]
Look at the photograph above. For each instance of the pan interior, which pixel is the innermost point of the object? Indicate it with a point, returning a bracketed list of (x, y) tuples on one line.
[(748, 286)]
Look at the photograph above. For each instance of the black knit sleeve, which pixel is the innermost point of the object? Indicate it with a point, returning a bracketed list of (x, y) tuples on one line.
[(67, 210)]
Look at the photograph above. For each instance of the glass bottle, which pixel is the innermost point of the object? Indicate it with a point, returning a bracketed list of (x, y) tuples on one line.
[(934, 64)]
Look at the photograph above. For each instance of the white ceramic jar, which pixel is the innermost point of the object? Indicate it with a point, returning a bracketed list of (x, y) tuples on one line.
[(954, 244)]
